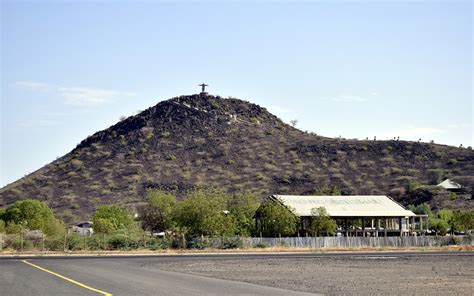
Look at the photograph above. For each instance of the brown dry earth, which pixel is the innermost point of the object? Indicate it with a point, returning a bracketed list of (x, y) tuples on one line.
[(355, 275)]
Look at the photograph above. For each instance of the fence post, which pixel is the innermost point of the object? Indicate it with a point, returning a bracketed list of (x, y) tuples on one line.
[(64, 244), (21, 239), (42, 242)]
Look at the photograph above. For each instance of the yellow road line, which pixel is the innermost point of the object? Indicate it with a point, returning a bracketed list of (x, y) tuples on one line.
[(67, 279)]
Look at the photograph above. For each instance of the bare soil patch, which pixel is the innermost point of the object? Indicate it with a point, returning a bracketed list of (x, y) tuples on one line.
[(355, 275)]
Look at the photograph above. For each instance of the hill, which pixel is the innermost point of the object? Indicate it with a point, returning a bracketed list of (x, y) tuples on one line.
[(204, 140)]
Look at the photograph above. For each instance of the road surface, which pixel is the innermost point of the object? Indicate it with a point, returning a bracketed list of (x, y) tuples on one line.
[(139, 276)]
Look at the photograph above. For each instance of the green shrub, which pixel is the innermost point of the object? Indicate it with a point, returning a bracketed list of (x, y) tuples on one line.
[(452, 196), (122, 241), (55, 243), (158, 244), (74, 242), (170, 157), (16, 243), (231, 243), (165, 134), (96, 242), (198, 244)]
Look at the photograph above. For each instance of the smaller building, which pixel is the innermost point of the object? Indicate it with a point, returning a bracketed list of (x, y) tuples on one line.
[(450, 185), (84, 228), (355, 215)]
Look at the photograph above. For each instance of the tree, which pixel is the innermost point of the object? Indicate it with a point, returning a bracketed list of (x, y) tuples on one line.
[(204, 212), (464, 220), (242, 207), (108, 219), (439, 225), (277, 219), (34, 215), (423, 209), (321, 222), (294, 122), (157, 214), (2, 222)]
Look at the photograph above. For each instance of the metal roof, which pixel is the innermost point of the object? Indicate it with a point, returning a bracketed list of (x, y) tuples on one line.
[(346, 205), (448, 184)]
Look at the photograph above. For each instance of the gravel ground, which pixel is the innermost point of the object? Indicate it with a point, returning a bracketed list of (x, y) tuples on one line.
[(357, 275)]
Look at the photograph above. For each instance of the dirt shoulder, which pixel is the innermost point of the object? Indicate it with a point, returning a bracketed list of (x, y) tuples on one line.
[(270, 250), (342, 275)]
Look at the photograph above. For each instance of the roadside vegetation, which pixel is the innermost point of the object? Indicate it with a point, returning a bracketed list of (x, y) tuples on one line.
[(205, 218)]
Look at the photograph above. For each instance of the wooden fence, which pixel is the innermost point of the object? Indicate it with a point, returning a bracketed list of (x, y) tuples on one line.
[(341, 242)]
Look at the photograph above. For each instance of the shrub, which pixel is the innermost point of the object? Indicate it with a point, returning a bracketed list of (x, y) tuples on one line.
[(254, 120), (96, 242), (165, 134), (122, 241), (54, 243), (76, 163), (74, 242), (17, 242), (170, 157), (198, 244), (158, 244), (231, 243)]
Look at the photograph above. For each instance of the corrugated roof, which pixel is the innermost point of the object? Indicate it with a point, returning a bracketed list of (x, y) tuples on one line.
[(346, 205), (448, 184)]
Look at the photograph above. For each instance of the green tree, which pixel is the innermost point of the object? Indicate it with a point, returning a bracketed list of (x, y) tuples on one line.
[(321, 222), (277, 219), (2, 222), (157, 214), (204, 212), (34, 215), (440, 226), (108, 219), (464, 220), (423, 209), (242, 206), (448, 216)]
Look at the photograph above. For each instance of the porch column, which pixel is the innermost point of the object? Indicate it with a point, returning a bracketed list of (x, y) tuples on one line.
[(400, 225), (363, 227), (377, 223)]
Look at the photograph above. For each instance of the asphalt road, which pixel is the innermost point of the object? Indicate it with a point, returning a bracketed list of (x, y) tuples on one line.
[(135, 276)]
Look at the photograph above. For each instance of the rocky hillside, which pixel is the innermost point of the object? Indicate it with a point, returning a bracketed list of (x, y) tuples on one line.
[(203, 140)]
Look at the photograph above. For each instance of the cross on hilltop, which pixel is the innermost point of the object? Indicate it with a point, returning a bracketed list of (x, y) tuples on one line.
[(203, 88)]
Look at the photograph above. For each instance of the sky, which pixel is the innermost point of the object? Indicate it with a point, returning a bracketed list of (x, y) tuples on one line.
[(352, 69)]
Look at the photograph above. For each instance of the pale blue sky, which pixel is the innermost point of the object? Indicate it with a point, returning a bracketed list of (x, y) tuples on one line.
[(355, 69)]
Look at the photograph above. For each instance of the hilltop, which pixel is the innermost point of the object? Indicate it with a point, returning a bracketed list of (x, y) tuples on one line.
[(205, 140)]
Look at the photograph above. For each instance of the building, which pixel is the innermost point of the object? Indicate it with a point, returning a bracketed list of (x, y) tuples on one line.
[(84, 228), (355, 215), (450, 185)]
